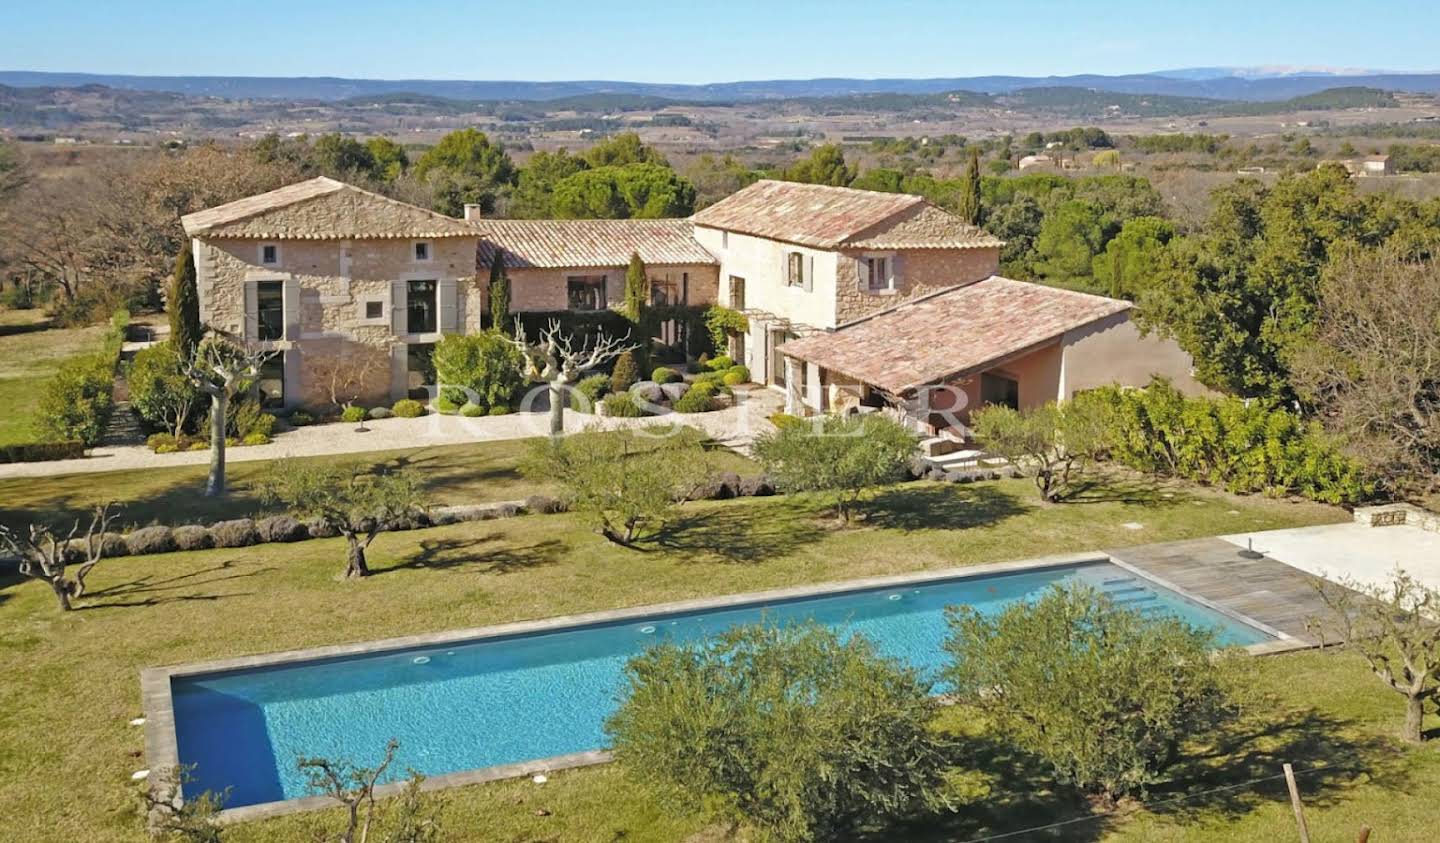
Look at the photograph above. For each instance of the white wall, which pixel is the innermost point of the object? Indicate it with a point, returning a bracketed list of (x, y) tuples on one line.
[(761, 263)]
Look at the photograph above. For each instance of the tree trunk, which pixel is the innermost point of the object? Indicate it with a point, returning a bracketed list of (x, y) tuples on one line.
[(355, 565), (62, 592), (557, 408), (1413, 731), (215, 485)]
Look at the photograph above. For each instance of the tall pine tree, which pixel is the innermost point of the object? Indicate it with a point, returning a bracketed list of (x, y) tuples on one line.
[(184, 306), (499, 293), (967, 207)]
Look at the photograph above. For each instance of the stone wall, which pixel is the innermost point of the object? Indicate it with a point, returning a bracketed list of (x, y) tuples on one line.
[(547, 289), (917, 272)]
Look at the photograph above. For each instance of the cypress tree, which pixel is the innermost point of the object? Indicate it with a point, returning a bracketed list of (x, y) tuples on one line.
[(636, 293), (968, 205), (184, 306), (499, 293)]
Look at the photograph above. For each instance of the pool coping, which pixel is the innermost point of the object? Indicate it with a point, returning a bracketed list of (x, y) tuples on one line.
[(162, 750)]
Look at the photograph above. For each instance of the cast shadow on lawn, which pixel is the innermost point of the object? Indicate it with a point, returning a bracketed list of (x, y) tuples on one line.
[(926, 506), (148, 591), (26, 328), (749, 534), (1015, 792), (440, 554)]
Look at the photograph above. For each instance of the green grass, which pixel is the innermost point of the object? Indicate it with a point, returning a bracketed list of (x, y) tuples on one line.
[(71, 681), (30, 352), (481, 472)]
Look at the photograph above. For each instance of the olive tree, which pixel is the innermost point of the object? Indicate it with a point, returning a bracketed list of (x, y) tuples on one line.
[(623, 481), (1053, 443), (1102, 694), (412, 819), (1393, 627), (796, 730), (846, 456), (45, 555), (350, 499)]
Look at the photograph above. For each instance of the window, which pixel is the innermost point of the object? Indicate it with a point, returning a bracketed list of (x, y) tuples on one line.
[(270, 311), (420, 307), (795, 269), (419, 369), (270, 386), (374, 310), (877, 273), (269, 254), (422, 250), (587, 292), (665, 291)]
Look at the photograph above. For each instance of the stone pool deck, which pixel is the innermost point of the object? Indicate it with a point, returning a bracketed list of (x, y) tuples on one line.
[(1264, 590)]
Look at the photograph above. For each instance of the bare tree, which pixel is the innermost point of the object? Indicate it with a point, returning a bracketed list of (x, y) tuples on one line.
[(354, 788), (345, 374), (1394, 628), (1373, 367), (555, 360), (44, 555), (221, 369)]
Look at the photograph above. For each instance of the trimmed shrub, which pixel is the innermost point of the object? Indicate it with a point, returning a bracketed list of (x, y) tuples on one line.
[(736, 375), (664, 374), (786, 420), (166, 448), (199, 445), (255, 439), (622, 405), (75, 403), (700, 399), (445, 407), (586, 395), (625, 373), (147, 540), (453, 394), (756, 487), (240, 532), (543, 505), (300, 418), (408, 408), (470, 411), (498, 411), (42, 451), (113, 544), (281, 528), (722, 363), (793, 729), (381, 413), (192, 537), (247, 417), (160, 390), (319, 528), (352, 414), (486, 363), (155, 440)]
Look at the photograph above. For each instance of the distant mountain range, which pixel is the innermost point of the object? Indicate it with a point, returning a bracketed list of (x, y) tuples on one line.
[(1251, 84)]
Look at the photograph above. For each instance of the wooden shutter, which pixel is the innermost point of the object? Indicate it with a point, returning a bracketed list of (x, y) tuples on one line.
[(896, 266), (809, 264), (291, 288), (445, 300), (397, 309), (251, 329), (399, 372)]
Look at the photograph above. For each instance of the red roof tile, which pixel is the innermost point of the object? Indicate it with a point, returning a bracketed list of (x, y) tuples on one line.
[(807, 214), (582, 243), (952, 333)]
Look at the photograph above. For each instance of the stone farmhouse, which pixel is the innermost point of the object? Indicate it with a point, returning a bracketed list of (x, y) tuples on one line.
[(854, 298)]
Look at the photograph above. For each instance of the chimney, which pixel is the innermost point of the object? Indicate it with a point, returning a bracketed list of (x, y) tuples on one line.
[(473, 212)]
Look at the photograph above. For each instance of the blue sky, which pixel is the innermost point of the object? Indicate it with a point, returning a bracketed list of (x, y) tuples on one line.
[(686, 41)]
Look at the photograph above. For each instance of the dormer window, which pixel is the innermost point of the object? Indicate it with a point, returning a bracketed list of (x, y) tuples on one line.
[(422, 251), (269, 254)]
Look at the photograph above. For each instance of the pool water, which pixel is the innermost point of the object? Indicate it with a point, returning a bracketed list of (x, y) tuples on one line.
[(464, 706)]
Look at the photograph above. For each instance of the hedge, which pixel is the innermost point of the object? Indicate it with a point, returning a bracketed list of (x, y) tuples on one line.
[(42, 451)]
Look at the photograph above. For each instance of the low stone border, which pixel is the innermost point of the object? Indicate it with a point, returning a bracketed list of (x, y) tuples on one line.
[(162, 752)]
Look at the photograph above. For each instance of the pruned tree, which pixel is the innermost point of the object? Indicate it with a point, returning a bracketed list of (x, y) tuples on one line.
[(355, 502), (222, 369), (1052, 443), (555, 360), (1393, 627), (354, 788), (192, 820), (45, 555), (623, 481), (843, 456), (346, 374)]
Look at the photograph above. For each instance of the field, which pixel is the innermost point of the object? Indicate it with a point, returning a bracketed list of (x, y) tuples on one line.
[(72, 680), (30, 352)]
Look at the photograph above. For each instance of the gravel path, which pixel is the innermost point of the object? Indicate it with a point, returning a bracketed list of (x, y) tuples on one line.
[(736, 427)]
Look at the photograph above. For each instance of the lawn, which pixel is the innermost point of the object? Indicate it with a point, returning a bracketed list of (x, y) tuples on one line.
[(481, 472), (31, 351), (67, 751)]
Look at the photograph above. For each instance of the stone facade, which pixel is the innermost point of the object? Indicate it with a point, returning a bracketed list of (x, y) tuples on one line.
[(917, 272), (547, 289)]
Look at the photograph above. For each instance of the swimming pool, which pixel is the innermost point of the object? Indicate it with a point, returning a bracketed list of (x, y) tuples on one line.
[(479, 702)]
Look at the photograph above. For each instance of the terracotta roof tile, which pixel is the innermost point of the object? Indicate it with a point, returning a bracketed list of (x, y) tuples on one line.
[(807, 214), (952, 333), (582, 243), (322, 209), (928, 227)]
